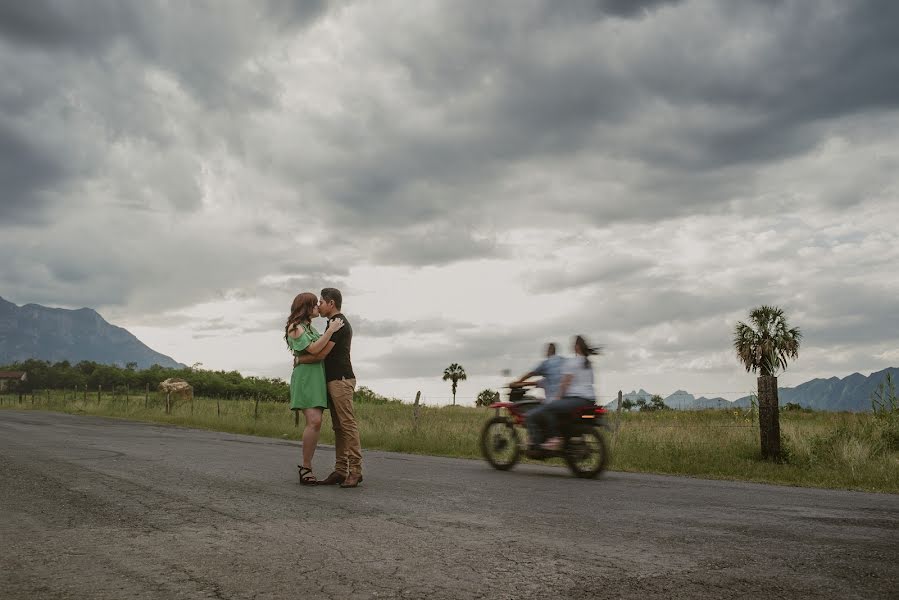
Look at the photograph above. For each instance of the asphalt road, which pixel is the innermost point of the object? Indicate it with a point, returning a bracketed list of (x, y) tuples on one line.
[(101, 508)]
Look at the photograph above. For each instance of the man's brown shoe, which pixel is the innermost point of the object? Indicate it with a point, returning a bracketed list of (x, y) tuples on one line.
[(351, 481), (333, 479)]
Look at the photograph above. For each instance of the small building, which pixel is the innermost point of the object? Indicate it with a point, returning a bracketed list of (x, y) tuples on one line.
[(9, 380)]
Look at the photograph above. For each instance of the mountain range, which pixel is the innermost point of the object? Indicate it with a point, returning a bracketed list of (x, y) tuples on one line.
[(57, 334), (852, 393)]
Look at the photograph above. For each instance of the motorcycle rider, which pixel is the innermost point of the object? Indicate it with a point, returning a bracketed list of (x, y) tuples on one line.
[(550, 370), (575, 390)]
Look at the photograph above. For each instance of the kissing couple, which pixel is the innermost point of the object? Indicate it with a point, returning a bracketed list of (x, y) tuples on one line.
[(323, 378)]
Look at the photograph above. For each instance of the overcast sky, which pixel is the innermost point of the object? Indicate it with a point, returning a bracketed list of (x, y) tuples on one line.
[(477, 177)]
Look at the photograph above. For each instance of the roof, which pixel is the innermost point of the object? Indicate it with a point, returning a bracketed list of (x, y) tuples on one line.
[(12, 374)]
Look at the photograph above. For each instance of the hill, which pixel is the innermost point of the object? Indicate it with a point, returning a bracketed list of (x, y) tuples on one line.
[(58, 334), (852, 393)]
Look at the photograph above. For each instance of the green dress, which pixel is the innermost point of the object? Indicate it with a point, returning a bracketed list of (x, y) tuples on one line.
[(307, 382)]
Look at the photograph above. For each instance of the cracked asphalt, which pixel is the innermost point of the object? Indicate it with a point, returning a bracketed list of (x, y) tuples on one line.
[(103, 508)]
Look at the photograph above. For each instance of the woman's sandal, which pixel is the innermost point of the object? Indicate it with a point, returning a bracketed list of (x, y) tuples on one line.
[(306, 476)]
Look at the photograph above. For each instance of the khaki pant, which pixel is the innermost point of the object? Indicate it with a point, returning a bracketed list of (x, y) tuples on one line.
[(347, 446)]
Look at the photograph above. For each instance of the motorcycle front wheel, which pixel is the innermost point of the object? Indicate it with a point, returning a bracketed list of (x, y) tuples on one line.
[(586, 452), (499, 443)]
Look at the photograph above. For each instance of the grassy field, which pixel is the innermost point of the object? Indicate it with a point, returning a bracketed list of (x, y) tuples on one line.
[(834, 450)]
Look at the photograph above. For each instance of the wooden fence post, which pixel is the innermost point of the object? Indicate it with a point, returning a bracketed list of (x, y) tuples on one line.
[(415, 409), (617, 419), (99, 390), (256, 409), (296, 418), (168, 403), (218, 408), (84, 396)]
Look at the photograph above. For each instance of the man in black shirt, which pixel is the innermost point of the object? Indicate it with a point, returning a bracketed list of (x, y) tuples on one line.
[(341, 382)]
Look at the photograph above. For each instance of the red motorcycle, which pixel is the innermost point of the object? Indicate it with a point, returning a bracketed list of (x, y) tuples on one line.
[(583, 446)]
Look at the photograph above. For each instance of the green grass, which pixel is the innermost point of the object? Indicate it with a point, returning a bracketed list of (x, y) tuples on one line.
[(833, 450)]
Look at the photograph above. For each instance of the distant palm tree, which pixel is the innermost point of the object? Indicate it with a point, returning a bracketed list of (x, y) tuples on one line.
[(455, 373), (764, 347)]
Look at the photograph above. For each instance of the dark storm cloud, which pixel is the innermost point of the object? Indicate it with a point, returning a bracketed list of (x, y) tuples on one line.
[(514, 83), (703, 101), (25, 172), (202, 43), (629, 8), (489, 116), (53, 24)]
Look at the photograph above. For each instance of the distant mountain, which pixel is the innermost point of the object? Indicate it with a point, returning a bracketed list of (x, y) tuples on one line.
[(852, 393), (57, 334), (634, 396), (687, 401), (680, 400)]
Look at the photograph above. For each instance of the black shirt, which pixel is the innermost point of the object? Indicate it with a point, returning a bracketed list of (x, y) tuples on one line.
[(337, 363)]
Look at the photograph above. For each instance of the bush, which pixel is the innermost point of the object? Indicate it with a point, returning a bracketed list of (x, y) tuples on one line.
[(486, 398), (367, 396)]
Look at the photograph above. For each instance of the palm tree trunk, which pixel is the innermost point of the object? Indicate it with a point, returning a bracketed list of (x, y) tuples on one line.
[(769, 417)]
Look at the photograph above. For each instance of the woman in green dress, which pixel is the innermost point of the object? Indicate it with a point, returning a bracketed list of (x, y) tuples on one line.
[(308, 392)]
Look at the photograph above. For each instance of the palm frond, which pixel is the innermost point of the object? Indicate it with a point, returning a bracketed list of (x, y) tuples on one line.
[(768, 343)]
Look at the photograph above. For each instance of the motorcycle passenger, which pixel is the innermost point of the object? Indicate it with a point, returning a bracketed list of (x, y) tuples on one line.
[(575, 390), (550, 369)]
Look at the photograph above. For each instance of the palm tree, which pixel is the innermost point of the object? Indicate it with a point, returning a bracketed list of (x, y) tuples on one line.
[(455, 373), (764, 347)]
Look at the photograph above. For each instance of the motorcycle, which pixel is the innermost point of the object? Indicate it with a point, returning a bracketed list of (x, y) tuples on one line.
[(583, 447)]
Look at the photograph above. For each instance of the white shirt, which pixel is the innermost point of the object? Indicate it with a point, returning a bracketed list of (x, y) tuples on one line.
[(581, 385)]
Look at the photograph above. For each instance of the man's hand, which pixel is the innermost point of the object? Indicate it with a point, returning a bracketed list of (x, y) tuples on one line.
[(305, 359)]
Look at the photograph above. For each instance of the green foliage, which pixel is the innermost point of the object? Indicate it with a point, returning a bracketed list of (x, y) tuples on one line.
[(883, 399), (765, 345), (485, 398), (886, 412), (220, 384), (655, 403), (366, 396), (628, 404)]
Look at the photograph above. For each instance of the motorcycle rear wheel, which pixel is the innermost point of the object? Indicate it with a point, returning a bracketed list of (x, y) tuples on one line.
[(586, 452), (500, 444)]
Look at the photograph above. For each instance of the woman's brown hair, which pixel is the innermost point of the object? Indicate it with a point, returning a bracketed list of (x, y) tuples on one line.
[(300, 312), (586, 350)]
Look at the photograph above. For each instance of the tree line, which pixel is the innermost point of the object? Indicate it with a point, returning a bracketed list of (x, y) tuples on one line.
[(213, 384), (89, 374)]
